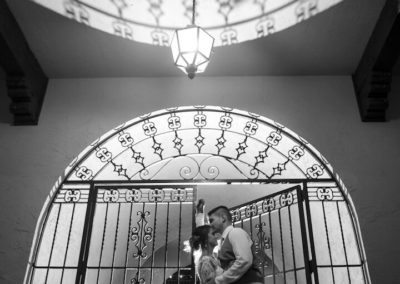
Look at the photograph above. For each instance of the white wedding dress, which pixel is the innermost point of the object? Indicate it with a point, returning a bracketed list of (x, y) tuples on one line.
[(208, 268)]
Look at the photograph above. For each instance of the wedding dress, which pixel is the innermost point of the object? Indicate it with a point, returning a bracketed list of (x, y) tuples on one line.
[(208, 268)]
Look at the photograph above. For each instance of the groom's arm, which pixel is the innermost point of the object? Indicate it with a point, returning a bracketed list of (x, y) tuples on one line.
[(241, 245)]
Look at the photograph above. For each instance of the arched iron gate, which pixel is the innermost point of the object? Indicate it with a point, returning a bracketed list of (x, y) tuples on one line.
[(126, 233), (189, 145)]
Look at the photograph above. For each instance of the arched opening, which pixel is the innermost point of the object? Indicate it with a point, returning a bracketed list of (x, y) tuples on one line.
[(124, 207)]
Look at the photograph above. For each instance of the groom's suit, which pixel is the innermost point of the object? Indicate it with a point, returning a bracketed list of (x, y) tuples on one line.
[(237, 259)]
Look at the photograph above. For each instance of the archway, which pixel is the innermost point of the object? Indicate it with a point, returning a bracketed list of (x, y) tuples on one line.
[(117, 213)]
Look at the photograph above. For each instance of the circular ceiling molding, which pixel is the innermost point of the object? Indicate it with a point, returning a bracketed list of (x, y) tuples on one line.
[(154, 21)]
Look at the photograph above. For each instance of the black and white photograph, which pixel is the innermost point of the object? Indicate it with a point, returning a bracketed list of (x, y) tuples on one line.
[(199, 141)]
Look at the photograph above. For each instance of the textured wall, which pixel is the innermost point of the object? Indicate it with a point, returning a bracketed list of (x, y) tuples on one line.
[(321, 109)]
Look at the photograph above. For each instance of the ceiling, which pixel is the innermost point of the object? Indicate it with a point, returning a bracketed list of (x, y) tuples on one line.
[(331, 43)]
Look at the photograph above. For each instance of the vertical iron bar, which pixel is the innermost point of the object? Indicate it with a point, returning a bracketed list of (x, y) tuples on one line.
[(291, 238), (283, 252), (140, 241), (314, 268), (262, 245), (102, 242), (179, 241), (86, 236), (127, 242), (251, 226), (272, 245), (115, 243), (327, 238), (303, 230), (193, 228), (344, 243), (69, 236), (166, 243), (154, 242), (52, 245)]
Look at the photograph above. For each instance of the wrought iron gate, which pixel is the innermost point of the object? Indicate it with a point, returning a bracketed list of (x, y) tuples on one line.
[(135, 235), (308, 233), (276, 224)]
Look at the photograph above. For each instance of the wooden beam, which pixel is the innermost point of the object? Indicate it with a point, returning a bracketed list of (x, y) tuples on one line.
[(373, 76), (26, 81)]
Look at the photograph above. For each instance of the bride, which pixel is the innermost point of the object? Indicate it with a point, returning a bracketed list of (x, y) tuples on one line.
[(204, 241)]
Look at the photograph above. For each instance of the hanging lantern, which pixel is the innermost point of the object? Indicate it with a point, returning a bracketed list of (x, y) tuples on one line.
[(191, 48)]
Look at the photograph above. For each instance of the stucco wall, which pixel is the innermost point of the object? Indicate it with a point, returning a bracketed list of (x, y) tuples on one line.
[(323, 110)]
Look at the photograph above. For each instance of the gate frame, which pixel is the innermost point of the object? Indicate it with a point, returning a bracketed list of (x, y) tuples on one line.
[(79, 171), (307, 242), (302, 195)]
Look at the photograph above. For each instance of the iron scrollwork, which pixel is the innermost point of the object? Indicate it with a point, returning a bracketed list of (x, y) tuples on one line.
[(200, 120), (241, 149), (306, 9), (133, 195), (251, 128), (149, 128), (208, 168), (174, 122), (315, 171), (83, 173), (156, 195), (171, 151), (325, 193), (225, 121), (251, 210), (286, 199), (262, 243), (268, 205), (274, 138), (136, 281), (141, 235), (296, 153), (179, 195), (125, 139), (72, 195), (236, 215), (111, 195)]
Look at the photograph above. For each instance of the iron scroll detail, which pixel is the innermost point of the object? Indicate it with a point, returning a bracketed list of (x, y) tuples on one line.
[(141, 235)]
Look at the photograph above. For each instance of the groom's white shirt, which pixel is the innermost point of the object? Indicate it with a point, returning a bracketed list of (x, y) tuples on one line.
[(241, 245)]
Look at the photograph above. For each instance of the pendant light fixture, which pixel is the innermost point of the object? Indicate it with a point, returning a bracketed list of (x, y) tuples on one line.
[(191, 48)]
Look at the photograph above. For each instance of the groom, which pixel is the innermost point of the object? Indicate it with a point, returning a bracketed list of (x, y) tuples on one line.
[(236, 254)]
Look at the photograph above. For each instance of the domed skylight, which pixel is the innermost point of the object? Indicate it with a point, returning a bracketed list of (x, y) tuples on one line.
[(154, 21)]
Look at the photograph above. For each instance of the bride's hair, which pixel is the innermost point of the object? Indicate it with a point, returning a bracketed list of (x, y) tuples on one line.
[(199, 237)]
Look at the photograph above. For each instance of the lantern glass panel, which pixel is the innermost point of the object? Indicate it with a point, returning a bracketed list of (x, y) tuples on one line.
[(205, 43), (200, 59), (189, 57), (175, 47), (188, 39)]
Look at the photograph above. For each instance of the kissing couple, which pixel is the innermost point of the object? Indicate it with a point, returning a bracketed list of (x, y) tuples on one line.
[(235, 260)]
